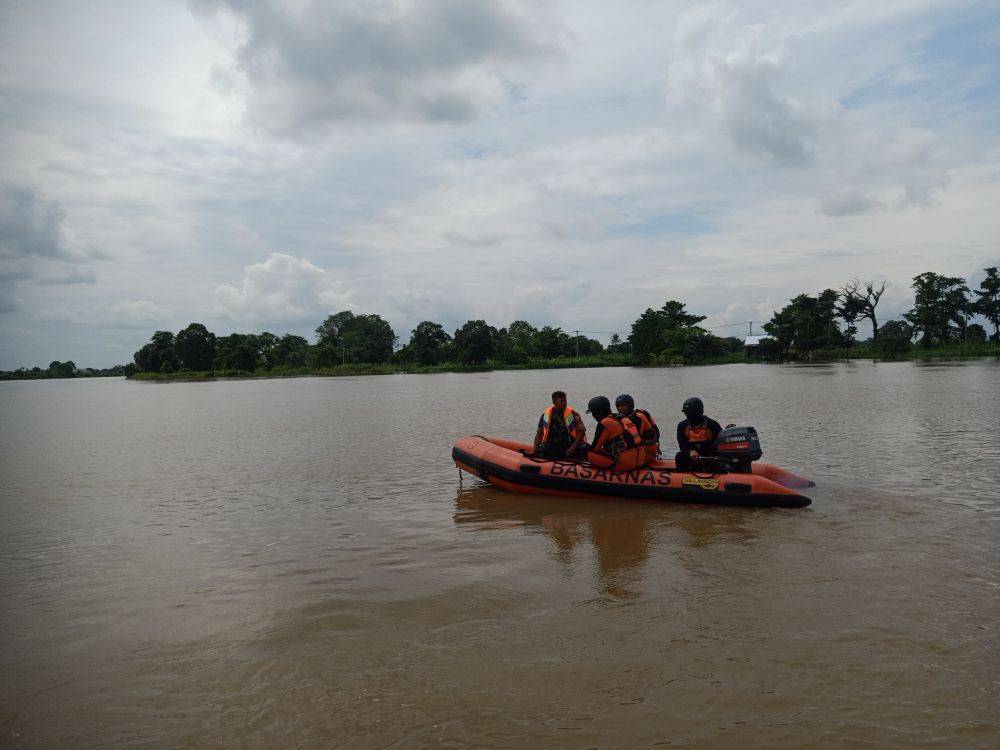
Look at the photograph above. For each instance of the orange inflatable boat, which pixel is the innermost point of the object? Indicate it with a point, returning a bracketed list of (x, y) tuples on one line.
[(505, 463)]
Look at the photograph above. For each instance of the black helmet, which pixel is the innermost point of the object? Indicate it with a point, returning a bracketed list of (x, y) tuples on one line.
[(693, 408), (599, 406), (626, 399)]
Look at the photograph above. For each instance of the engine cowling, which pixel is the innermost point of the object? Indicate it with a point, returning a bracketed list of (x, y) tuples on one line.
[(738, 447)]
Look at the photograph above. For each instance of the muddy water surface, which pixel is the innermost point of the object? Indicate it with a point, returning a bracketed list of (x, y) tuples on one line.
[(294, 563)]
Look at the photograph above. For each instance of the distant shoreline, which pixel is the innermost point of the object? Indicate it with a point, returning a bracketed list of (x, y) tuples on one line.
[(861, 352), (970, 351)]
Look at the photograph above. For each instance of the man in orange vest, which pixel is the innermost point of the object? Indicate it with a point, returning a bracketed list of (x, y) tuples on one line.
[(644, 422), (617, 444), (695, 435), (560, 430)]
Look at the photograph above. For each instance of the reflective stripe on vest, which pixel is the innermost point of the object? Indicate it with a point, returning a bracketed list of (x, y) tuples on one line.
[(568, 417)]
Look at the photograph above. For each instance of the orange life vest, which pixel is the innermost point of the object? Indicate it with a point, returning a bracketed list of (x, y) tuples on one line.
[(699, 434), (574, 425), (619, 438), (648, 431)]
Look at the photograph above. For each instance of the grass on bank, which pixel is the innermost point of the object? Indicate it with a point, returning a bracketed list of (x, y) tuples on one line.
[(861, 351), (867, 350)]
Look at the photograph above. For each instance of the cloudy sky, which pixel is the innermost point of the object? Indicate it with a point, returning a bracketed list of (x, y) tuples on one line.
[(258, 164)]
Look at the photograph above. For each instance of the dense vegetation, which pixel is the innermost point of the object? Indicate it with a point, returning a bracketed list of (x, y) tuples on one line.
[(820, 326), (65, 370), (939, 321)]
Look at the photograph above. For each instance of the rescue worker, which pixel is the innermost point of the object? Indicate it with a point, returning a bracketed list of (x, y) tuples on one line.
[(617, 444), (695, 435), (560, 430), (644, 422)]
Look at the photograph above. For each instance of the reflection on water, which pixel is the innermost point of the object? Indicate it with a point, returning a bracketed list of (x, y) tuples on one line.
[(620, 538), (294, 562)]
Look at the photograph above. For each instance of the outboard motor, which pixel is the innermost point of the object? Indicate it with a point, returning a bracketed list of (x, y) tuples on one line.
[(738, 447)]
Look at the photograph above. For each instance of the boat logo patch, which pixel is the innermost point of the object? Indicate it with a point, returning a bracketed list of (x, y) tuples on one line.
[(704, 484)]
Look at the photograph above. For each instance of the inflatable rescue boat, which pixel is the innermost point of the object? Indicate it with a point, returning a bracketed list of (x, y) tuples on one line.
[(509, 464)]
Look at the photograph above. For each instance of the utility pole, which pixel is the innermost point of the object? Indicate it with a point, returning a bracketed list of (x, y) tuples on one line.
[(577, 342)]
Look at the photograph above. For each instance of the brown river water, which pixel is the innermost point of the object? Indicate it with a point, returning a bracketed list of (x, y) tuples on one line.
[(294, 563)]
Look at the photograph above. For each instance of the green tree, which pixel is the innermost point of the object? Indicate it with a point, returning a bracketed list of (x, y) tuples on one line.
[(266, 342), (288, 351), (649, 335), (849, 308), (368, 338), (675, 316), (865, 297), (523, 335), (616, 345), (329, 331), (427, 342), (505, 351), (158, 355), (360, 338), (781, 330), (940, 308), (806, 323), (581, 346), (691, 344), (975, 332), (326, 355), (238, 351), (987, 303), (195, 347), (516, 343), (734, 344), (894, 338), (59, 369), (551, 342), (475, 342)]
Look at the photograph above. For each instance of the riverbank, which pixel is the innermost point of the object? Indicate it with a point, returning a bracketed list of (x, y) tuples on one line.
[(391, 369), (861, 352)]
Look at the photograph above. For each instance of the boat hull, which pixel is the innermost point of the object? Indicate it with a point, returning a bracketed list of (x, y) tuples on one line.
[(504, 464)]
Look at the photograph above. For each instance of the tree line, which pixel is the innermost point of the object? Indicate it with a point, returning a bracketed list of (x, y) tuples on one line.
[(941, 313), (68, 369), (943, 307), (819, 325), (347, 338)]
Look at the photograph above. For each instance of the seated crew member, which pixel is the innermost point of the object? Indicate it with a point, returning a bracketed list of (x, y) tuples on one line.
[(644, 422), (560, 430), (695, 435), (616, 440)]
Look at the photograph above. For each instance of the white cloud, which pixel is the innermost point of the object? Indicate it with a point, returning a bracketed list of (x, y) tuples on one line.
[(282, 288), (733, 74), (32, 245), (728, 154), (29, 224), (740, 79), (309, 66)]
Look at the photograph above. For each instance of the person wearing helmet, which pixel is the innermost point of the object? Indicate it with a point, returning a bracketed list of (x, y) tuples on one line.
[(560, 430), (617, 444), (695, 435), (644, 422)]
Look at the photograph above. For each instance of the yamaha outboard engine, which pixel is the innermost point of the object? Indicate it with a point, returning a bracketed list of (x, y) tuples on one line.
[(738, 447)]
